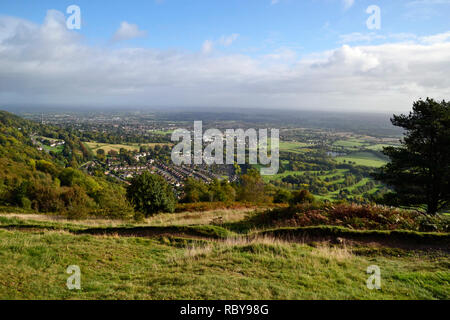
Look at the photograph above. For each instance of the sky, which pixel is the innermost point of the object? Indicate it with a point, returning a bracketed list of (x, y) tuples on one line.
[(340, 55)]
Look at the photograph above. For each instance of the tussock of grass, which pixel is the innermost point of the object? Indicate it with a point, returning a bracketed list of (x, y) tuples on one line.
[(33, 265), (336, 253), (333, 231), (213, 232), (188, 256)]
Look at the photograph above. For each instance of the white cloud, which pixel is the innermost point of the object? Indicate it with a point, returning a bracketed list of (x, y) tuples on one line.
[(228, 40), (442, 37), (428, 2), (360, 37), (128, 31), (224, 41), (373, 36), (348, 4), (49, 65), (207, 47)]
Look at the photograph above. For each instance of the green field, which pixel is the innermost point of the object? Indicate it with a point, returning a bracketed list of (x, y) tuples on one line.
[(162, 132), (280, 176), (94, 146), (33, 266), (350, 143), (378, 147), (293, 146), (58, 149), (363, 159)]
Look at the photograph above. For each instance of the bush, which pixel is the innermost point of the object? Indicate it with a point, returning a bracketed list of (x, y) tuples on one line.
[(77, 202), (26, 203), (46, 166), (151, 194), (361, 217), (301, 196), (114, 204), (209, 206), (70, 177), (46, 199), (282, 196), (252, 187), (199, 191)]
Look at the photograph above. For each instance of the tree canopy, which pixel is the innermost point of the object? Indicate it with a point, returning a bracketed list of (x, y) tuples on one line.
[(419, 170), (151, 194)]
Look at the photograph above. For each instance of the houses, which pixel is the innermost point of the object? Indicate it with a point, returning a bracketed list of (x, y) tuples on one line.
[(175, 175), (57, 143)]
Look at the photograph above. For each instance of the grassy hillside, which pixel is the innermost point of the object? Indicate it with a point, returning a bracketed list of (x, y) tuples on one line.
[(117, 267), (42, 181)]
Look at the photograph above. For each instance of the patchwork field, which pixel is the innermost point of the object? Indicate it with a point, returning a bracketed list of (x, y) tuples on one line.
[(350, 143), (363, 159), (293, 146)]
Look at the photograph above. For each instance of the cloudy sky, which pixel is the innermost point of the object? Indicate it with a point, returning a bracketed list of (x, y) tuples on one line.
[(289, 54)]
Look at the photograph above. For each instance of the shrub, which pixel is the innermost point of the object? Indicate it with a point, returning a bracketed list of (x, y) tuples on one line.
[(208, 206), (252, 187), (362, 217), (114, 204), (199, 191), (282, 196), (301, 196), (151, 194), (77, 202), (26, 203), (46, 199), (46, 166)]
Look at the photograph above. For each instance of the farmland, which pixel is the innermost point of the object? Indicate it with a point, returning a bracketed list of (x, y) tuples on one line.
[(363, 159), (330, 165), (107, 147)]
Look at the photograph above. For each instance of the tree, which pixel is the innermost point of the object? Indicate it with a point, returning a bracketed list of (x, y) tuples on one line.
[(112, 153), (251, 187), (221, 191), (301, 196), (282, 196), (419, 170), (101, 154), (195, 191), (151, 194)]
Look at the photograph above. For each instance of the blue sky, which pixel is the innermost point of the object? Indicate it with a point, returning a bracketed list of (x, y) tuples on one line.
[(310, 54), (303, 25)]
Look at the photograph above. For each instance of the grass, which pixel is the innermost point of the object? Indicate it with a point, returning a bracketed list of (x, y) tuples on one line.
[(57, 150), (280, 176), (198, 218), (293, 146), (162, 132), (361, 183), (199, 231), (185, 256), (350, 143), (163, 219), (411, 237), (33, 266), (94, 146), (379, 147), (363, 159)]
